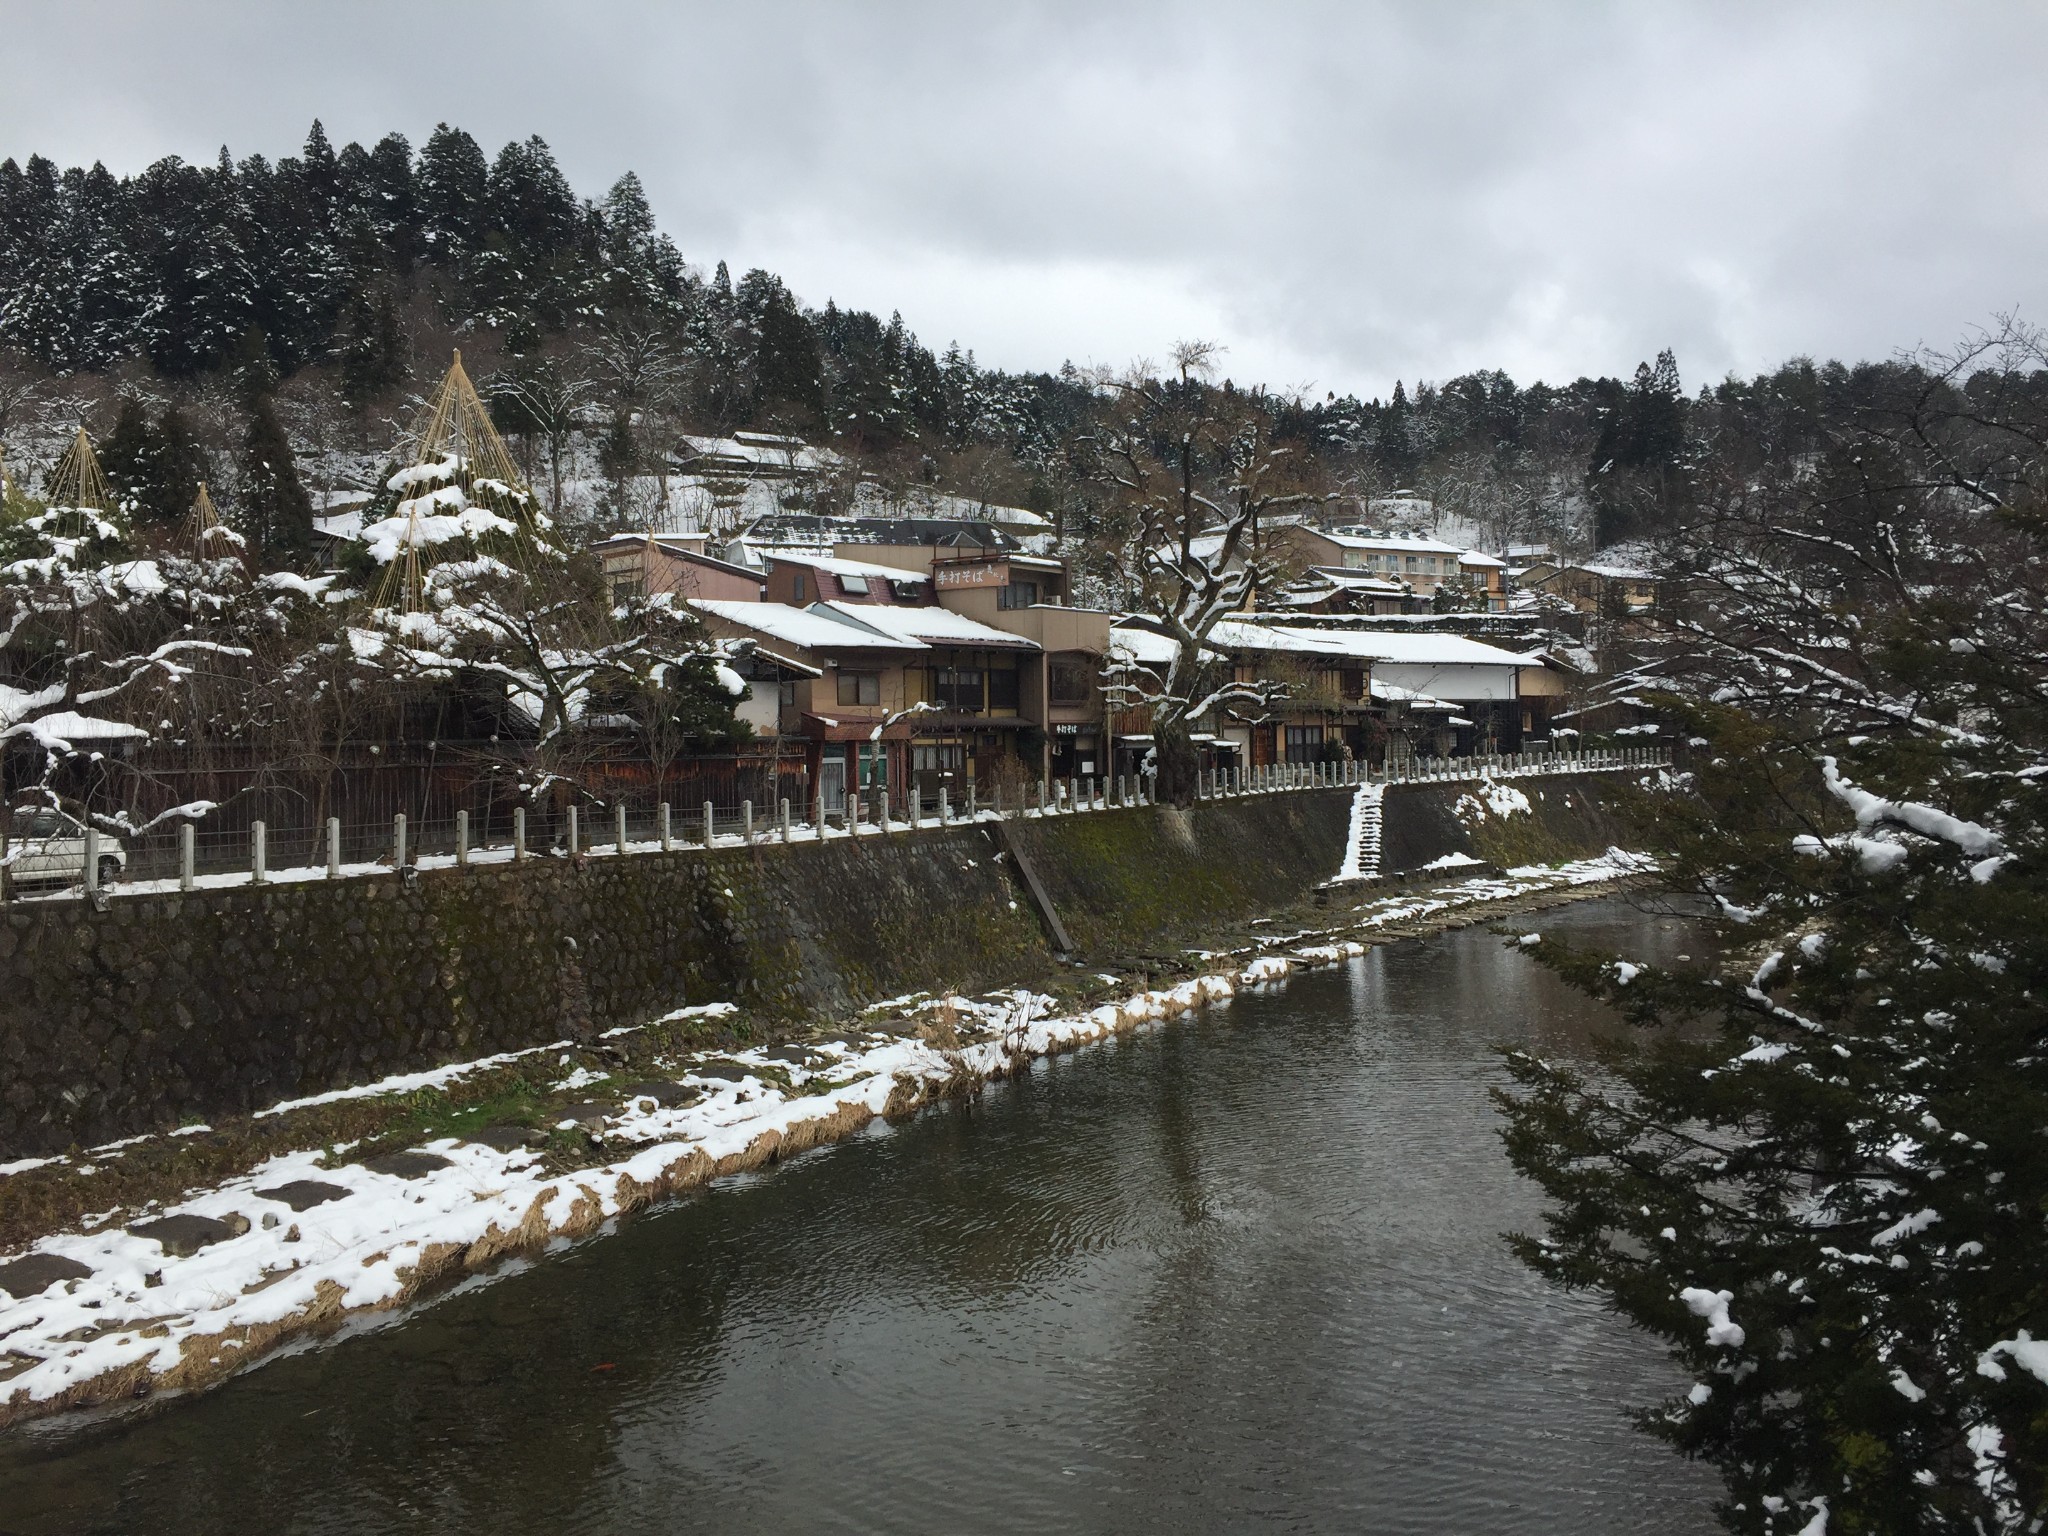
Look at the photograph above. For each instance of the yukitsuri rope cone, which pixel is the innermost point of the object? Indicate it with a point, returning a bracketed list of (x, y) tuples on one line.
[(210, 537), (461, 462), (77, 481)]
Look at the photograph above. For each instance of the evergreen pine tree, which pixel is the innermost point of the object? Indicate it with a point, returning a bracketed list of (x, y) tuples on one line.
[(369, 344), (1815, 1169), (1637, 472), (35, 299), (181, 466), (154, 466), (128, 459), (195, 237), (450, 190), (276, 513), (106, 290)]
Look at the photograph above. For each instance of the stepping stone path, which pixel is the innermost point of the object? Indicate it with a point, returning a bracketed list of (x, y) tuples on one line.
[(406, 1165), (35, 1274), (183, 1236), (666, 1095), (507, 1138), (304, 1194)]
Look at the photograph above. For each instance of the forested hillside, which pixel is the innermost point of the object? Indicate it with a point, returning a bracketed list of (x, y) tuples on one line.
[(205, 316)]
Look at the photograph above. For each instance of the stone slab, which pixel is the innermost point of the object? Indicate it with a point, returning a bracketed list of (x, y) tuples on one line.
[(37, 1272), (184, 1235), (304, 1194), (406, 1165)]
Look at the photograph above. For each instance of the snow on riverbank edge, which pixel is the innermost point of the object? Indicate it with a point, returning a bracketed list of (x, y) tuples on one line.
[(146, 1321)]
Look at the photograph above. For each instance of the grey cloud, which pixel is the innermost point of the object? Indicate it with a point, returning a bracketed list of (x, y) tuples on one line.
[(1342, 194)]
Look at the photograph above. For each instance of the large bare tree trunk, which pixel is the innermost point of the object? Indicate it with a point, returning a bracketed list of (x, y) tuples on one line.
[(1179, 764)]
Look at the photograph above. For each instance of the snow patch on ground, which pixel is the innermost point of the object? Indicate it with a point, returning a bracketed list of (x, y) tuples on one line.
[(145, 1312)]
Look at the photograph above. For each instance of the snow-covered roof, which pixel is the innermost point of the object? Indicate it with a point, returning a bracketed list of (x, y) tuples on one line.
[(932, 626), (1406, 543), (840, 567), (1429, 649), (1614, 571), (1485, 562), (762, 448), (1143, 647), (1356, 580), (1415, 699), (812, 628), (872, 500)]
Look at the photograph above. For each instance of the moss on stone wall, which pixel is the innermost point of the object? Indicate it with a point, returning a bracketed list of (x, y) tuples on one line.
[(1157, 877), (1568, 818), (167, 1008)]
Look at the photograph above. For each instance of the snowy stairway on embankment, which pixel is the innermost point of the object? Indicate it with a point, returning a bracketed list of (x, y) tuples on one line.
[(1362, 846)]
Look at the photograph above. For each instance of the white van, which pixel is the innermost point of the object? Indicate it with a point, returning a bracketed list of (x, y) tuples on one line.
[(44, 844)]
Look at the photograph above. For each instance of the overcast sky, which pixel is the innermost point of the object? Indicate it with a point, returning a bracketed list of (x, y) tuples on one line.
[(1342, 195)]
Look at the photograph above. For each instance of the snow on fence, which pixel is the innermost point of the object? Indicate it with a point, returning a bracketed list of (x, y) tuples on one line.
[(185, 856)]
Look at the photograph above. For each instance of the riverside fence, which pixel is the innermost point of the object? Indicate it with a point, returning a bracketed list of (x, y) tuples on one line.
[(183, 856)]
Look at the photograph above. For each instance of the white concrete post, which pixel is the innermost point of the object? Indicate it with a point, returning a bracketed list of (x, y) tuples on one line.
[(972, 810), (945, 807), (1041, 797), (518, 832), (398, 841), (747, 820), (783, 816), (92, 860), (575, 842), (257, 852), (668, 836), (186, 856), (882, 809), (462, 839), (710, 824), (619, 825)]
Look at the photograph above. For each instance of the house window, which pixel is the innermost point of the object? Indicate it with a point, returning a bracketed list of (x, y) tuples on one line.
[(627, 587), (945, 758), (797, 587), (860, 687), (1069, 682), (1018, 594), (1413, 563), (871, 765), (1003, 689), (957, 689), (854, 586), (1304, 743)]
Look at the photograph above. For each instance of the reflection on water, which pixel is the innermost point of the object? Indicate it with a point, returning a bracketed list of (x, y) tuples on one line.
[(1240, 1271)]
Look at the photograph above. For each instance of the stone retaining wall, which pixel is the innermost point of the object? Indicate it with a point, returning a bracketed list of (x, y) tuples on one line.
[(167, 1008)]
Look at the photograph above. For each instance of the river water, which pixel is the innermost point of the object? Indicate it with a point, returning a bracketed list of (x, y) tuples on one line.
[(1239, 1272)]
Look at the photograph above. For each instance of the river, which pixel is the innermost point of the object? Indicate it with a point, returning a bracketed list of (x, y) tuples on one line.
[(1242, 1271)]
